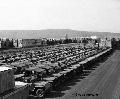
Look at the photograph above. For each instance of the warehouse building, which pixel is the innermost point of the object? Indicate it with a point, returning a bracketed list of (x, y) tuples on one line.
[(18, 43)]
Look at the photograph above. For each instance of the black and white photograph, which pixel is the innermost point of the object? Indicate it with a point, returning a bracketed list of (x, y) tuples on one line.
[(59, 49)]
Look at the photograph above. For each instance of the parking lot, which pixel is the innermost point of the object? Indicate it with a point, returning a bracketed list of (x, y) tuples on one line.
[(50, 69), (100, 82)]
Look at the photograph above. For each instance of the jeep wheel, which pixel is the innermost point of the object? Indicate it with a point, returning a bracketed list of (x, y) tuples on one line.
[(40, 92)]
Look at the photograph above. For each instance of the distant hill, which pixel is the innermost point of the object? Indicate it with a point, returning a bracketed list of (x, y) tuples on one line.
[(53, 33)]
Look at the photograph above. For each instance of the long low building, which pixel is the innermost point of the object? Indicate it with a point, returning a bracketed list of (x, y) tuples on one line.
[(18, 43), (29, 42)]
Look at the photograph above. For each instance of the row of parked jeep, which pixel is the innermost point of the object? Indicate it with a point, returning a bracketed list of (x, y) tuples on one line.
[(45, 69)]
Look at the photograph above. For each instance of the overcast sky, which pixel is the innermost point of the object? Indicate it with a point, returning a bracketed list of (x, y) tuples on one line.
[(93, 15)]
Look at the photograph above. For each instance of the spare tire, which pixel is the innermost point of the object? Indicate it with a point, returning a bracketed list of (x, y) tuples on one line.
[(40, 92)]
